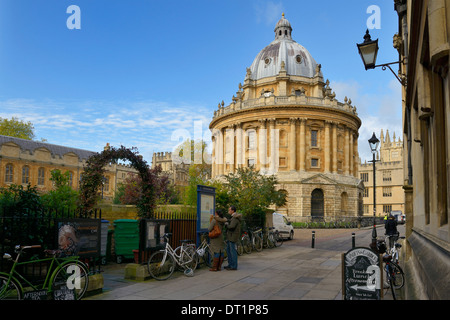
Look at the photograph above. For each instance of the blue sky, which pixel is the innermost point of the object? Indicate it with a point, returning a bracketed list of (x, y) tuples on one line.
[(139, 70)]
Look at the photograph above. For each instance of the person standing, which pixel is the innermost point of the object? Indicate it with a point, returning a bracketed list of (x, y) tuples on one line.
[(391, 229), (233, 234), (217, 245)]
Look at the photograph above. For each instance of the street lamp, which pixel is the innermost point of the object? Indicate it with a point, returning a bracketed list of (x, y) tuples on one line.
[(373, 143), (368, 50)]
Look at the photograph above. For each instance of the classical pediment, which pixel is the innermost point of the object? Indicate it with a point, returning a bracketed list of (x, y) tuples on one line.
[(319, 179)]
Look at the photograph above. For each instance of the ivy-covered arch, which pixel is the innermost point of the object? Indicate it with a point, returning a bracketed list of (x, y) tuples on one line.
[(94, 172)]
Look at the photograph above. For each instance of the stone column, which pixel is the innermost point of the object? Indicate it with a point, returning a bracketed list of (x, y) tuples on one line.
[(262, 145), (351, 152), (213, 156), (292, 145), (302, 144), (229, 148), (356, 155), (335, 148), (221, 154), (327, 146), (346, 151), (273, 146), (239, 149)]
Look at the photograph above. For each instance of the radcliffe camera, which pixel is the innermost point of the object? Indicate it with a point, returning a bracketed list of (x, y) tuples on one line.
[(226, 158)]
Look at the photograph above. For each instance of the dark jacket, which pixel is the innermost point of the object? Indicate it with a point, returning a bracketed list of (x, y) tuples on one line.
[(391, 226), (234, 228)]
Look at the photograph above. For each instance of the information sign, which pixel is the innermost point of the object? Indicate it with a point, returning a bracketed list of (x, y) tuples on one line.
[(361, 275), (206, 204)]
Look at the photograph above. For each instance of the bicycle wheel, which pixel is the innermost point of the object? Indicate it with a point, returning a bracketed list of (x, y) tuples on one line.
[(161, 265), (189, 258), (278, 240), (247, 244), (207, 257), (240, 248), (257, 243), (270, 241), (12, 291), (398, 276), (73, 275), (391, 280)]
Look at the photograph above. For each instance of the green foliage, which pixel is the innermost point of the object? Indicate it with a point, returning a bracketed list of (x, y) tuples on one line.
[(252, 193), (18, 200), (63, 197), (94, 171), (16, 128)]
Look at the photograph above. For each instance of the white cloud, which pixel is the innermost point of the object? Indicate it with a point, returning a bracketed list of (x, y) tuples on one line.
[(268, 12), (146, 125)]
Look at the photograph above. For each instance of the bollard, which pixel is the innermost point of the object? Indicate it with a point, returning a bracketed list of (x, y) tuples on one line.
[(313, 239), (353, 239)]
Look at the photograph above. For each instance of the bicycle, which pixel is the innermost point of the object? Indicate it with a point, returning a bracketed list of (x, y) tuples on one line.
[(268, 239), (394, 274), (204, 253), (66, 276), (394, 250), (257, 239), (162, 263), (277, 238), (244, 244)]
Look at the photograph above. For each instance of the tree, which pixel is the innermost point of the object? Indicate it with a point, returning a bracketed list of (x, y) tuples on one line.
[(63, 197), (17, 128), (252, 193), (193, 153)]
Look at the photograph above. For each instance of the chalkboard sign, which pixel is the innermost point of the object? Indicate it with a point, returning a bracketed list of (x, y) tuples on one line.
[(361, 275), (64, 294), (80, 237), (36, 295)]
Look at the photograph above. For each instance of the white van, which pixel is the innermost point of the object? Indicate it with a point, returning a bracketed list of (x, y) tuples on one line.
[(283, 226)]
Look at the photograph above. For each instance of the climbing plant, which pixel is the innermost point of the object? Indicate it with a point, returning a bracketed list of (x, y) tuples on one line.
[(94, 171)]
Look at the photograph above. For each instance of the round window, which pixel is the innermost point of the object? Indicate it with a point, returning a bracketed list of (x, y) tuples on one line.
[(267, 61), (298, 58)]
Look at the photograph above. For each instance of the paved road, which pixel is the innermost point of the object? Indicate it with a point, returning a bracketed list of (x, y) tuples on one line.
[(337, 239), (294, 271)]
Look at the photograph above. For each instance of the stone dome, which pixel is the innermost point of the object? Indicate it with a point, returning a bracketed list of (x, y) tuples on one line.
[(298, 61)]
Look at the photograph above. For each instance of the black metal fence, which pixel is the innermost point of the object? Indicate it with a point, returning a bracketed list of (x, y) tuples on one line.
[(34, 227)]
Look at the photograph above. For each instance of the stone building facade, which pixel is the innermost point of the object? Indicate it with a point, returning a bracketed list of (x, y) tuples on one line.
[(423, 43), (24, 162), (389, 176), (285, 120), (178, 173)]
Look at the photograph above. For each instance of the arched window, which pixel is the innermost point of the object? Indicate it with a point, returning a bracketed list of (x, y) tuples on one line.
[(25, 174), (70, 178), (41, 177), (9, 173)]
